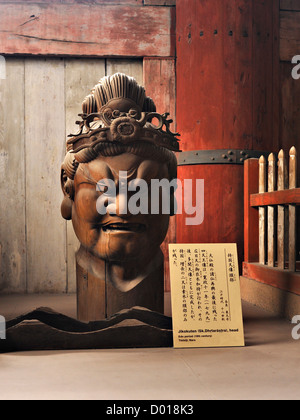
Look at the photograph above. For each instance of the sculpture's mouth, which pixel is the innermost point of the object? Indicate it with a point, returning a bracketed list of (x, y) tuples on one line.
[(123, 227)]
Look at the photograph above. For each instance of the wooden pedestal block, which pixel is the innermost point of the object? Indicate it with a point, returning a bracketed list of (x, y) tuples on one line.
[(98, 299)]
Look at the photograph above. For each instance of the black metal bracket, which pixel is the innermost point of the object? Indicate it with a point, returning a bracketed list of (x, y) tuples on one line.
[(224, 156)]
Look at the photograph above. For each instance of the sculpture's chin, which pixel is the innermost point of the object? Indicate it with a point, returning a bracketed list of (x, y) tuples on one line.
[(124, 245)]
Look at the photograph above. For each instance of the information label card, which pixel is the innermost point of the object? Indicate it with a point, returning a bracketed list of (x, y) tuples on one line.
[(205, 293)]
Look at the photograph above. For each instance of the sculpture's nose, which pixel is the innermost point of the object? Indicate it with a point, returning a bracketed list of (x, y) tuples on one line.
[(122, 206)]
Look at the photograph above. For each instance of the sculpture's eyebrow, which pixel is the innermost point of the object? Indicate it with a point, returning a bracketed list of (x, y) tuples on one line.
[(129, 172), (86, 178)]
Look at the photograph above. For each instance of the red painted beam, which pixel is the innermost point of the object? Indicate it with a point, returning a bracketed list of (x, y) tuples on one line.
[(87, 30), (284, 197), (282, 279)]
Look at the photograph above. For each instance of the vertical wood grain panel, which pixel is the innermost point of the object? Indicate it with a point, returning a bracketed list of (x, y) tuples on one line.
[(225, 70), (236, 31), (289, 34), (263, 43), (81, 75), (44, 134), (160, 84), (133, 68), (12, 175), (199, 70)]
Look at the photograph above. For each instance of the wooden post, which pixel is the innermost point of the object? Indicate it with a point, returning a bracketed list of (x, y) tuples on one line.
[(251, 234), (281, 220), (292, 210), (262, 211), (271, 211)]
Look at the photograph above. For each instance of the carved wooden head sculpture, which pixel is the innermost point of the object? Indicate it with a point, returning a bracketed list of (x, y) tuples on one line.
[(118, 144)]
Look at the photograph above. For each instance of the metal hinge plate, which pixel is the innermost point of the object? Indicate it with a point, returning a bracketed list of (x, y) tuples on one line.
[(225, 156)]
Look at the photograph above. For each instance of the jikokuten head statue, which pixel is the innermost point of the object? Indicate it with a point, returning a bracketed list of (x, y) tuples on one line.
[(121, 140)]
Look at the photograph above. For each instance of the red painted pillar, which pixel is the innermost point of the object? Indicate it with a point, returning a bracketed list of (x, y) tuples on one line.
[(227, 69)]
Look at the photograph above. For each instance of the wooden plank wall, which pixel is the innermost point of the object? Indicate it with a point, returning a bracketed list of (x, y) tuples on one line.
[(39, 103), (289, 121), (37, 248)]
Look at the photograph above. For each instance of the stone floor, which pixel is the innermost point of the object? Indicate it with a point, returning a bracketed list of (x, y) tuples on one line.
[(268, 367)]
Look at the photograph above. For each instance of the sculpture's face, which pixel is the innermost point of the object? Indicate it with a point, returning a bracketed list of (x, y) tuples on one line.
[(119, 237)]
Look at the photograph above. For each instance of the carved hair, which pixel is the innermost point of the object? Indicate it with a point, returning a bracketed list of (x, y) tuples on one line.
[(118, 86)]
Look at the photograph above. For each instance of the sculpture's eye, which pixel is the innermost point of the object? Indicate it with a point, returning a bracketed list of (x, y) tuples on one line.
[(85, 202)]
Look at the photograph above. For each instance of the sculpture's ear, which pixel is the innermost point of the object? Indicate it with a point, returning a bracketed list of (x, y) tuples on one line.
[(67, 186)]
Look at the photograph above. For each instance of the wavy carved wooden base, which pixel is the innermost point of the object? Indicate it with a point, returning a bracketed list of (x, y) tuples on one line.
[(45, 329)]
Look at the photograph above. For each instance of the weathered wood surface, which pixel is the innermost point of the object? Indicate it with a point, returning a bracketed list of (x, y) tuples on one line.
[(12, 175), (281, 212), (39, 101), (271, 210), (289, 34), (75, 2), (292, 211), (78, 30), (225, 95), (251, 218), (160, 2), (290, 5), (44, 329), (44, 138), (289, 108), (160, 84), (262, 211), (133, 68)]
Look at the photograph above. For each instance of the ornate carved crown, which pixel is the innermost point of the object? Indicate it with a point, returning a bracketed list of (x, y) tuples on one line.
[(118, 110)]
